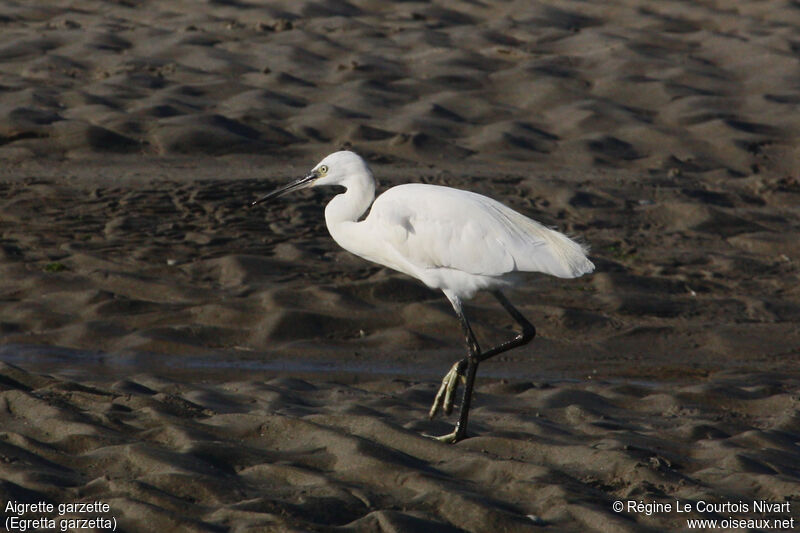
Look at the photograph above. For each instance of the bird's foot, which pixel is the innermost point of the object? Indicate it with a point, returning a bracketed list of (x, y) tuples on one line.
[(446, 396), (450, 438)]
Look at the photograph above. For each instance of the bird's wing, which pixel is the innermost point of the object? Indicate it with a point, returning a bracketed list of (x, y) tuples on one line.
[(439, 227)]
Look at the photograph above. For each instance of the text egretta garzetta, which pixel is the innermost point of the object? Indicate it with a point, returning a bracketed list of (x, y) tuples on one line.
[(457, 241)]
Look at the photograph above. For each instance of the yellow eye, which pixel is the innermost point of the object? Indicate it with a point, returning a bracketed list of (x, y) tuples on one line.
[(323, 170)]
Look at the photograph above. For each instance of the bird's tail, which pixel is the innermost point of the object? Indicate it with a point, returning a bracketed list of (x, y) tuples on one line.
[(547, 250)]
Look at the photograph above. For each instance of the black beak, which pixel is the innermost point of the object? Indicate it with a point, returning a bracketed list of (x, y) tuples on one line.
[(298, 184)]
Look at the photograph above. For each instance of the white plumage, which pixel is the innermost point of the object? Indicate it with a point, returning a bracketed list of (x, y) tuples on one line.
[(440, 231), (453, 240)]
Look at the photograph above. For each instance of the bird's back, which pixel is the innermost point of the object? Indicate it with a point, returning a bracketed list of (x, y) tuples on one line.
[(434, 227)]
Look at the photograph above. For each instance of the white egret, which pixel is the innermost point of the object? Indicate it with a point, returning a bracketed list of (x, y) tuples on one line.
[(457, 241)]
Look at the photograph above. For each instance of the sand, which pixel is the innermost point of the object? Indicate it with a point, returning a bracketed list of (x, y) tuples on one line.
[(286, 454), (199, 365)]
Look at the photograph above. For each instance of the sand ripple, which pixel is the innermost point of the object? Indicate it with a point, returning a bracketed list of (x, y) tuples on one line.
[(286, 454), (678, 87)]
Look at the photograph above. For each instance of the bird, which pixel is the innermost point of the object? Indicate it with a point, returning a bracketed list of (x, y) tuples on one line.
[(457, 241)]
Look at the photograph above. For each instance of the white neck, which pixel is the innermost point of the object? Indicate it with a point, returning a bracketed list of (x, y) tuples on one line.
[(344, 210), (350, 205)]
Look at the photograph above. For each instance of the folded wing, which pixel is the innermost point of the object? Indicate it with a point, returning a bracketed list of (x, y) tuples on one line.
[(439, 227)]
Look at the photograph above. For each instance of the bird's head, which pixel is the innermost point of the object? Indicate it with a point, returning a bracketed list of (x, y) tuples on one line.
[(335, 169)]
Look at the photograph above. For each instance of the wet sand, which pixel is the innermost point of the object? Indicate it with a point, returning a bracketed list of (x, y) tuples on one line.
[(288, 454), (199, 365)]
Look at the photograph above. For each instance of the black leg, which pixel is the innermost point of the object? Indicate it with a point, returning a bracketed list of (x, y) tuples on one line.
[(472, 360), (470, 364), (524, 337)]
